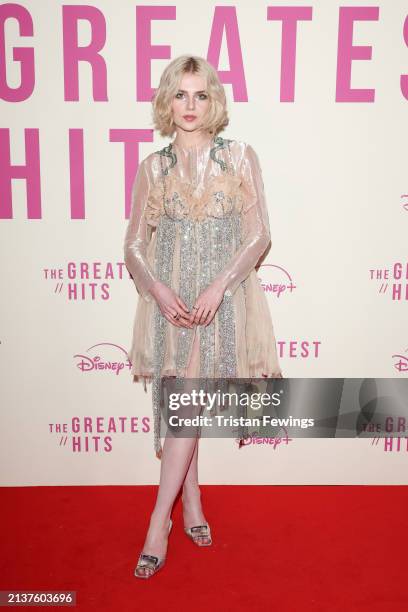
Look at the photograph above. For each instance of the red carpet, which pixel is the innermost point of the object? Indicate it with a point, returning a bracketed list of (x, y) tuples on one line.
[(283, 548)]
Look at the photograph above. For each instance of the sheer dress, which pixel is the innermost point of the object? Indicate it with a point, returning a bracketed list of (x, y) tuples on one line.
[(199, 214)]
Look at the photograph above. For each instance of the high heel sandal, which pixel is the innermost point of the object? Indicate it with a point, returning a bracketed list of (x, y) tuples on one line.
[(150, 562), (199, 533)]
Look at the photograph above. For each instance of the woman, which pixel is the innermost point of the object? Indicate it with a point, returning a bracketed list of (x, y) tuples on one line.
[(198, 226)]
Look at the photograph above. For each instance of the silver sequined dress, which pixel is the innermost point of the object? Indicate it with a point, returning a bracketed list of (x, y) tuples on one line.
[(198, 214)]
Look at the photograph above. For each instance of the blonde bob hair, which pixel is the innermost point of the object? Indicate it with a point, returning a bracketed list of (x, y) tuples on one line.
[(217, 117)]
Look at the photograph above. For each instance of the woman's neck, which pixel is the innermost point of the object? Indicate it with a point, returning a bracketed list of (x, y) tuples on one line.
[(192, 140)]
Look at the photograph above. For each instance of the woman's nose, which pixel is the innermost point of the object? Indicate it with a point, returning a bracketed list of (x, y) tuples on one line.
[(190, 104)]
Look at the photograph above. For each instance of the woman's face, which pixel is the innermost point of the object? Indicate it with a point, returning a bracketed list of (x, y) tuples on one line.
[(191, 103)]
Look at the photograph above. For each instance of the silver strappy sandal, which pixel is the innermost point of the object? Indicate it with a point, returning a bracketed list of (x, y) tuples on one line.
[(199, 534), (150, 562)]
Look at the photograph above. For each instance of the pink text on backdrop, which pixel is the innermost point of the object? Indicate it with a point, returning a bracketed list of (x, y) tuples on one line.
[(224, 30)]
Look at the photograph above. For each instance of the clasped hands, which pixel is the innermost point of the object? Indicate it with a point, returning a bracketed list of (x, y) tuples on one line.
[(176, 311)]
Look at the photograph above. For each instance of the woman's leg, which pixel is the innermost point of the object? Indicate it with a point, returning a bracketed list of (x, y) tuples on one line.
[(175, 461), (192, 510)]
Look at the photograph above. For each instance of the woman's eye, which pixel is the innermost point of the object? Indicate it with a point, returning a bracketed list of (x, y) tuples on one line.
[(201, 96)]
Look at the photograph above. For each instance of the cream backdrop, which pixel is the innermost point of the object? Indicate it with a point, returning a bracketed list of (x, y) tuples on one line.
[(335, 175)]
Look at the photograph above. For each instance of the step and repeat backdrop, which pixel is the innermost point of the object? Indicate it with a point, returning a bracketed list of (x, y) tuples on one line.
[(320, 90)]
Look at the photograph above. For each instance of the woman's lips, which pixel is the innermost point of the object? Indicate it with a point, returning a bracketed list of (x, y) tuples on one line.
[(189, 117)]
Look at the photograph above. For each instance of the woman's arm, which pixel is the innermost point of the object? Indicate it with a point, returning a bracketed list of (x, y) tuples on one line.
[(136, 238), (255, 229)]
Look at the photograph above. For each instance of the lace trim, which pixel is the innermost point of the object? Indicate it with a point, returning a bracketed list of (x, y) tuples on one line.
[(179, 199), (220, 198)]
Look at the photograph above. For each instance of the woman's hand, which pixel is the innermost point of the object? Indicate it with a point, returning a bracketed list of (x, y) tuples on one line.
[(275, 374), (206, 305), (170, 304)]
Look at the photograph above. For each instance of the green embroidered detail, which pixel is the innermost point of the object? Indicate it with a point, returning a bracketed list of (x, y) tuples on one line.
[(221, 143), (167, 152)]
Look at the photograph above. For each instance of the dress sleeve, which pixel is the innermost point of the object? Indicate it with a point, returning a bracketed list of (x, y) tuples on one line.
[(138, 235), (255, 231)]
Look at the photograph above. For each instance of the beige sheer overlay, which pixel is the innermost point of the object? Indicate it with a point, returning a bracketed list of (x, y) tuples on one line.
[(196, 179)]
